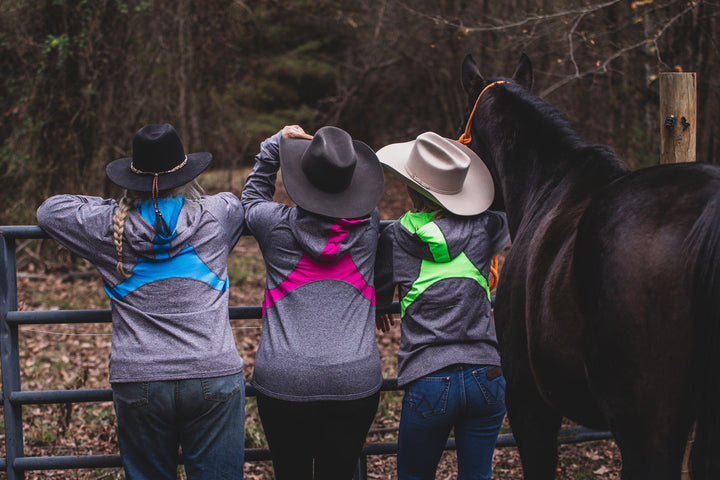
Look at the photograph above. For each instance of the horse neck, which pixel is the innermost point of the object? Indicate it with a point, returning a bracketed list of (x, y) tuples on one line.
[(538, 159), (536, 181)]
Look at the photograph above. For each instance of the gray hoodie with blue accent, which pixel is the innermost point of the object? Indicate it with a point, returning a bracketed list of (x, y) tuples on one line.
[(440, 269), (318, 339), (170, 318)]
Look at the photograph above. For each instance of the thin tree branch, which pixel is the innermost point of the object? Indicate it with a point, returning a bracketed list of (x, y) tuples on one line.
[(527, 20), (570, 41), (602, 67)]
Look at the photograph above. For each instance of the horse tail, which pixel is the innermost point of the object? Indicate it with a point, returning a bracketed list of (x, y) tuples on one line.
[(703, 249)]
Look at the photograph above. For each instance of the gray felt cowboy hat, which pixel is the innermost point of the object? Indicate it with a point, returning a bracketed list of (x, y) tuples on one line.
[(332, 174), (157, 155), (443, 170)]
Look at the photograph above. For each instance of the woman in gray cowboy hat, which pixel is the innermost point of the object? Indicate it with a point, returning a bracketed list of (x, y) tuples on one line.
[(438, 256), (162, 253), (317, 370)]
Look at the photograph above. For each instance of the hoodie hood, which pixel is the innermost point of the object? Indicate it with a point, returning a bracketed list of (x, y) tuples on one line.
[(150, 244), (326, 239), (439, 240)]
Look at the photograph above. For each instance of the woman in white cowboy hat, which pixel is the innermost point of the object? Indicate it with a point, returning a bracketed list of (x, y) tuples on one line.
[(439, 257), (317, 370), (162, 253)]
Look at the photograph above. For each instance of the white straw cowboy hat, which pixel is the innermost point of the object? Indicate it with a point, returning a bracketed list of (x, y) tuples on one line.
[(332, 174), (443, 170)]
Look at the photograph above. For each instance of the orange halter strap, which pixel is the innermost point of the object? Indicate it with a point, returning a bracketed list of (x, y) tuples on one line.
[(465, 139)]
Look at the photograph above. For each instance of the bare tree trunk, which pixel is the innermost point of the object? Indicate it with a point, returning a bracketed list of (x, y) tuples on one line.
[(182, 66)]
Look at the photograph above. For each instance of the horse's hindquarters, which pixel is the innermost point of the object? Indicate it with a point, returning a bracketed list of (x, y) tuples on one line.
[(636, 292)]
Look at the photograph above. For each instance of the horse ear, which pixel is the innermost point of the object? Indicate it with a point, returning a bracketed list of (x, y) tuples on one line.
[(470, 73), (523, 73)]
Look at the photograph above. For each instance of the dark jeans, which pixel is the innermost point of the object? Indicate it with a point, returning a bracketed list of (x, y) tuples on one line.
[(470, 398), (204, 416), (329, 433)]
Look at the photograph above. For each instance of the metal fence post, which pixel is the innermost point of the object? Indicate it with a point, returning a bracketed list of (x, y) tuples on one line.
[(10, 358), (361, 468)]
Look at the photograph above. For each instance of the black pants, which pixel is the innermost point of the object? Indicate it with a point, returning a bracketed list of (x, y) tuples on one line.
[(330, 433)]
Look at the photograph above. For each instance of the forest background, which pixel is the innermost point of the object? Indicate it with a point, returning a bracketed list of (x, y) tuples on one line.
[(79, 77)]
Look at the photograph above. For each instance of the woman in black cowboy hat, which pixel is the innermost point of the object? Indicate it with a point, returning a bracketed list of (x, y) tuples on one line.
[(317, 369), (162, 253)]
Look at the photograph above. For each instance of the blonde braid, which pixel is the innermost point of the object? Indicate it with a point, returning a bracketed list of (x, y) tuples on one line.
[(121, 214), (191, 191)]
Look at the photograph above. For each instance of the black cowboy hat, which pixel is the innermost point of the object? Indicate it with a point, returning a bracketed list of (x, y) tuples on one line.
[(332, 174), (157, 152)]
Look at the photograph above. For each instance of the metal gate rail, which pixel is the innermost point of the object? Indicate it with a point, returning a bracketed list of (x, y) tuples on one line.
[(13, 398)]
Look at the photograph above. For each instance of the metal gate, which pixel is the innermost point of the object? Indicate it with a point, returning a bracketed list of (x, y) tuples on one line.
[(13, 398)]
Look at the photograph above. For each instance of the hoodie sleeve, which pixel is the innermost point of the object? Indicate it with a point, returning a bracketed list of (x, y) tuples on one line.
[(384, 281), (229, 212), (82, 224), (257, 196), (260, 184), (497, 230)]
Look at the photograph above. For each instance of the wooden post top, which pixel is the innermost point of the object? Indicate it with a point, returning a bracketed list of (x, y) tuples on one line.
[(678, 115)]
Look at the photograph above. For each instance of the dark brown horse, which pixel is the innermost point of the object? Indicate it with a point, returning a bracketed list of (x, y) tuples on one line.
[(608, 306)]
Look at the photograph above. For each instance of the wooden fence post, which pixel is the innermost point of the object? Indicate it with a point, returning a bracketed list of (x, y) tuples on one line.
[(678, 113)]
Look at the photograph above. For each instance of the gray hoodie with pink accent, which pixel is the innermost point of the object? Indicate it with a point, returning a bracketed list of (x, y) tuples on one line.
[(318, 339)]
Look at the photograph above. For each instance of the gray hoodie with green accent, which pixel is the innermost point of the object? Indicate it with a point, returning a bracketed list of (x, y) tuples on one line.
[(441, 269)]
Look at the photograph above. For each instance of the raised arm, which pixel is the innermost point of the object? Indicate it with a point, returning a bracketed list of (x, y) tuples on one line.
[(260, 184)]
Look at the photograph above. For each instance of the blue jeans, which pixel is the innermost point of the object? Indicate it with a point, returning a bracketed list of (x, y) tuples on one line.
[(470, 398), (203, 416)]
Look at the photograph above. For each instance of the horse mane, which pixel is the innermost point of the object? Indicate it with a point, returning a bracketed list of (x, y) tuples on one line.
[(552, 130)]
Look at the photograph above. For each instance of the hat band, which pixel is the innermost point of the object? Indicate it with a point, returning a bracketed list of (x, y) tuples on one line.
[(161, 226), (174, 169), (432, 188)]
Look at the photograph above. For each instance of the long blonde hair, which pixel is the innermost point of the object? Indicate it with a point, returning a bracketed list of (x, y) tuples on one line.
[(423, 204), (191, 191)]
